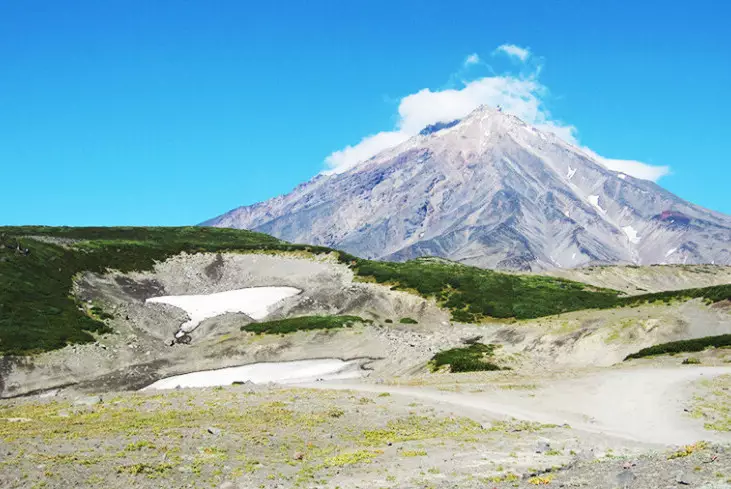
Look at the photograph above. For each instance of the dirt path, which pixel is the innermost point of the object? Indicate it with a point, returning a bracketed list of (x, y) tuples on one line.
[(640, 404)]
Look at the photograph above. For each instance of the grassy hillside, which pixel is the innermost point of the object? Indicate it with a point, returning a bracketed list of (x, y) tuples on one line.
[(37, 312), (472, 294), (684, 346)]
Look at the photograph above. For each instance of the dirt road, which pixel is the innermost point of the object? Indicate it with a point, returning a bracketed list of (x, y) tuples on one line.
[(640, 404)]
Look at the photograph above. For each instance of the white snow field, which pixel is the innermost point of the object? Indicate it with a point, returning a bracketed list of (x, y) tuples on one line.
[(594, 200), (255, 302), (631, 234), (260, 373)]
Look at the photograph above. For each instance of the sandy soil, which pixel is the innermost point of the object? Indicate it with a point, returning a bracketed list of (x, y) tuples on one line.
[(358, 435)]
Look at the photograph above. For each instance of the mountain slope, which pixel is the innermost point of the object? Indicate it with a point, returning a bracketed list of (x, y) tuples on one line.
[(493, 192)]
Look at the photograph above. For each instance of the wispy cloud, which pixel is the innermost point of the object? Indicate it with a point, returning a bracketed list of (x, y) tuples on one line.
[(522, 95), (515, 51), (472, 59)]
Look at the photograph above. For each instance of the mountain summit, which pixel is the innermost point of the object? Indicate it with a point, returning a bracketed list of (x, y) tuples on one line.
[(491, 191)]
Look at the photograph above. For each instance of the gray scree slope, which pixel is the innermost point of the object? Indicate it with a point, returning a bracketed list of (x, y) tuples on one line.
[(494, 192)]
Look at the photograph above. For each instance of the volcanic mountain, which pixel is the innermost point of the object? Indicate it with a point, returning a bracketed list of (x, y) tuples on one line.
[(491, 191)]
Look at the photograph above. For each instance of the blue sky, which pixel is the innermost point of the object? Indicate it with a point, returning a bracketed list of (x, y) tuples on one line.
[(168, 112)]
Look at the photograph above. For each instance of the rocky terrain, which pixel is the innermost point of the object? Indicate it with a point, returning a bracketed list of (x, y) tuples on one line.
[(492, 191)]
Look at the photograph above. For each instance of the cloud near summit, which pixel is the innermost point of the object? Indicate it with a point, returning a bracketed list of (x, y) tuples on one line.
[(521, 95)]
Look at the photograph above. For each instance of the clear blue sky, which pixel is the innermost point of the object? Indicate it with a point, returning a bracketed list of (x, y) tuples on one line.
[(142, 112)]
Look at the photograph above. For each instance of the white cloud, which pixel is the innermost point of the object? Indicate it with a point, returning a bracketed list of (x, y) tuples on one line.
[(472, 59), (636, 169), (515, 51), (520, 95), (348, 157)]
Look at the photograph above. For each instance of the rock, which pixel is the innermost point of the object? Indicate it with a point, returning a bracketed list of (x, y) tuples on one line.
[(227, 485), (88, 401), (469, 340), (626, 478), (214, 431), (298, 455), (63, 414), (686, 478), (543, 447)]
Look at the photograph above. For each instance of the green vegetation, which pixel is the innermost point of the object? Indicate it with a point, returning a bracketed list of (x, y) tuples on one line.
[(688, 450), (414, 427), (408, 321), (713, 403), (684, 346), (691, 361), (472, 358), (352, 458), (39, 313), (302, 323), (473, 294)]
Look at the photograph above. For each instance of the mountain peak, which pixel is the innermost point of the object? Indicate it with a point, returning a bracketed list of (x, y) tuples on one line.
[(492, 191)]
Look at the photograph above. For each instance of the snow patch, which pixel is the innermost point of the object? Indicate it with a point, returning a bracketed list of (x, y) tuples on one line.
[(594, 200), (258, 373), (631, 234), (622, 176), (571, 173), (670, 252), (255, 302)]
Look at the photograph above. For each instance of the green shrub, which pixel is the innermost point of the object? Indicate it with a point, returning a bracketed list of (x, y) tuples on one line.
[(472, 358), (691, 361), (472, 294), (408, 321), (389, 321), (684, 346), (302, 323)]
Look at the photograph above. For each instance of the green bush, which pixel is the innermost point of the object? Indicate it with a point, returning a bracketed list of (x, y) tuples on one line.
[(684, 346), (472, 294), (408, 321), (472, 358), (302, 323), (691, 361)]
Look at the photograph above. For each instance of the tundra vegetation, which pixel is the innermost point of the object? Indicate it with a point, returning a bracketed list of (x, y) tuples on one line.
[(302, 323), (684, 346), (472, 358)]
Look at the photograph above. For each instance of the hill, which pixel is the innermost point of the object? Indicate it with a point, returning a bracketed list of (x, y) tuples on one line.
[(40, 312)]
